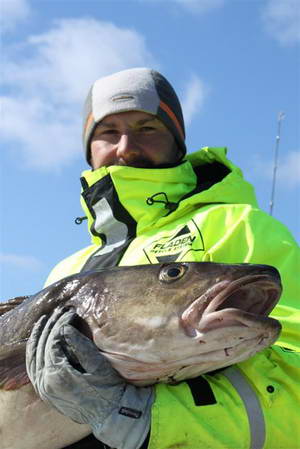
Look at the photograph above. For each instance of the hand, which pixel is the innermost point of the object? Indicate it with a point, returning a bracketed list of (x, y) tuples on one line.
[(95, 394)]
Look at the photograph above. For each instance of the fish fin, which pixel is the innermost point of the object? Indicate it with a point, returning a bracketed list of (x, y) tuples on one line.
[(13, 373), (11, 304)]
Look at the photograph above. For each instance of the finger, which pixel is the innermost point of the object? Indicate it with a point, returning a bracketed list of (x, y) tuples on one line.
[(37, 342), (43, 331), (32, 347), (90, 357), (54, 345), (83, 349)]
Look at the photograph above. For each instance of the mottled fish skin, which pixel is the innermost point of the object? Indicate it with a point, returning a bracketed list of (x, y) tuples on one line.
[(156, 323)]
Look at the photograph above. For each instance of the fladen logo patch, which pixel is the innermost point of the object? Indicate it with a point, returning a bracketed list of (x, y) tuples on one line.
[(176, 245)]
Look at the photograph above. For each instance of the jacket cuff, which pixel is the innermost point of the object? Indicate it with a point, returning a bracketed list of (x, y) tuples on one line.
[(128, 425)]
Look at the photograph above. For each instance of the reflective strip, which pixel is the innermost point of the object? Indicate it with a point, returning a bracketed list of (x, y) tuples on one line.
[(252, 405), (114, 230)]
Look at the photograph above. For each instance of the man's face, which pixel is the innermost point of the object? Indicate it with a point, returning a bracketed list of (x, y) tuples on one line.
[(133, 138)]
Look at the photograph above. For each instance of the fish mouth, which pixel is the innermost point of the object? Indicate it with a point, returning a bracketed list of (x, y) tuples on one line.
[(244, 301)]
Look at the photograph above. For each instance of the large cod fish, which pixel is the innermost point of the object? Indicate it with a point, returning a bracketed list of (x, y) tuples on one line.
[(155, 323)]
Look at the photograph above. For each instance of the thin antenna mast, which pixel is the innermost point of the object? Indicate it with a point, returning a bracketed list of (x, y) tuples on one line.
[(281, 116)]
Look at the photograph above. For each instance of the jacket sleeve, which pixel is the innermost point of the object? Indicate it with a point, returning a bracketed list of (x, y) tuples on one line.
[(275, 245), (249, 235)]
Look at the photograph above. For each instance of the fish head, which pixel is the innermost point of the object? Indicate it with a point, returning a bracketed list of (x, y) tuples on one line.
[(172, 321)]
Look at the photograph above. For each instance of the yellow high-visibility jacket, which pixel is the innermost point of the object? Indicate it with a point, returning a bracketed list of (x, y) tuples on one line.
[(203, 210)]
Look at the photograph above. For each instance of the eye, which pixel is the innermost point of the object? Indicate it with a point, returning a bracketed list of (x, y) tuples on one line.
[(109, 131), (103, 133), (172, 272), (147, 129)]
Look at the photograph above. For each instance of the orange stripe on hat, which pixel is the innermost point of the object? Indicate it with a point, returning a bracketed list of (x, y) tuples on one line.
[(88, 122), (173, 117)]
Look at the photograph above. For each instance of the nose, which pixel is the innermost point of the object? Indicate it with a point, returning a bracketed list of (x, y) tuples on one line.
[(127, 147)]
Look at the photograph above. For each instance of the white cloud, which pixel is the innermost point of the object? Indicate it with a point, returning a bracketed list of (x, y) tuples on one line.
[(13, 12), (282, 20), (200, 6), (288, 169), (29, 263), (48, 79), (193, 98), (69, 57), (40, 131)]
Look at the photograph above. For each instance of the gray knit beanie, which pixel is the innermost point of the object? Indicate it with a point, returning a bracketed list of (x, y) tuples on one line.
[(139, 89)]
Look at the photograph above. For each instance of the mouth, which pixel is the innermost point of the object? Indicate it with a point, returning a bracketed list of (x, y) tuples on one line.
[(257, 294), (231, 303), (135, 163)]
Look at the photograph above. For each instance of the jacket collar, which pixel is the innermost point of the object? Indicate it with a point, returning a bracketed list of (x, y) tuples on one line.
[(150, 197)]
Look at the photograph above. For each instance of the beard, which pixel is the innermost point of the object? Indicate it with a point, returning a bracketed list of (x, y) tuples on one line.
[(139, 162)]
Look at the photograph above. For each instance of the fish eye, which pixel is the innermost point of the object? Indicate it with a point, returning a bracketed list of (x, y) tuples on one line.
[(171, 273)]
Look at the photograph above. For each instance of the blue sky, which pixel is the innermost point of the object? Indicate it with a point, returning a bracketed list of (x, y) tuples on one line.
[(234, 64)]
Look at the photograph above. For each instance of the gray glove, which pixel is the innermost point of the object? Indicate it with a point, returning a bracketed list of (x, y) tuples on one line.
[(92, 393)]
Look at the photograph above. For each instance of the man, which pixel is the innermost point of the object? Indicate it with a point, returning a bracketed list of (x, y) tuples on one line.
[(147, 202)]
